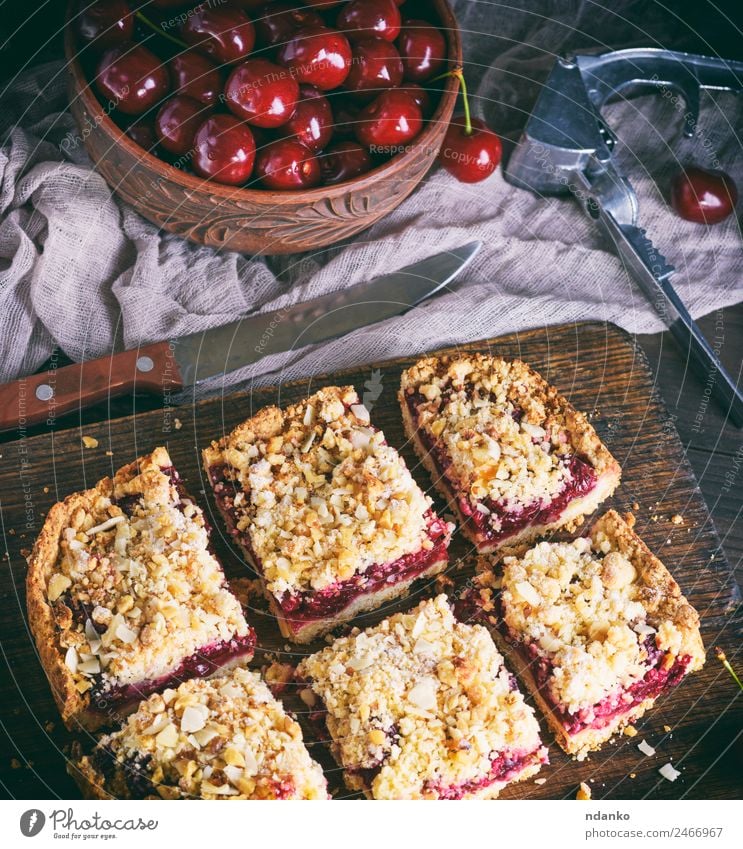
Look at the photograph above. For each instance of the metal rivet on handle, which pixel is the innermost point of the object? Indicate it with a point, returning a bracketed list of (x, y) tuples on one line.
[(145, 364), (44, 392)]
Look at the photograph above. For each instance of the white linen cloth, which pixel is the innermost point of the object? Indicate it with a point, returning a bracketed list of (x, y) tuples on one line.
[(82, 271)]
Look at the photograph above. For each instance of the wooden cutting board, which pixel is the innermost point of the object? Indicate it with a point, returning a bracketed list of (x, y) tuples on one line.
[(603, 373)]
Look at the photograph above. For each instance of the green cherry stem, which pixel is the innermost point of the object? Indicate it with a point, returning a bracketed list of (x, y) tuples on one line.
[(458, 74), (726, 663), (159, 30)]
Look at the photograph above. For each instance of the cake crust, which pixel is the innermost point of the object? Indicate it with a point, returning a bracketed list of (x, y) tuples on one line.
[(80, 568), (491, 454)]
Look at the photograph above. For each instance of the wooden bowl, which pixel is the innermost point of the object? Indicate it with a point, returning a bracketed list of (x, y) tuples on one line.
[(251, 220)]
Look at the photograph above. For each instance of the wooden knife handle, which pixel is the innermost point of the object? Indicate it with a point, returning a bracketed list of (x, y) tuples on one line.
[(46, 396)]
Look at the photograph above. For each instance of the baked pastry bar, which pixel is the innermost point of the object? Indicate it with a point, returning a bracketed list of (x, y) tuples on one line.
[(325, 510), (222, 738), (422, 707), (597, 629), (124, 596), (507, 451)]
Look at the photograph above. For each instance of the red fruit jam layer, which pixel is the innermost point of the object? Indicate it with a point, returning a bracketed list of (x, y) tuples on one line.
[(504, 768), (200, 664), (660, 676), (582, 481), (307, 607)]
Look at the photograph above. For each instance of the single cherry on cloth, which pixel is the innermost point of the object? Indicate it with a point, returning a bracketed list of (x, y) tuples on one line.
[(390, 121), (262, 93), (132, 78), (312, 121), (470, 152), (376, 65), (369, 19), (318, 56), (276, 23), (224, 150), (177, 121), (223, 33), (703, 196), (196, 76), (106, 23), (423, 50), (286, 165), (343, 161)]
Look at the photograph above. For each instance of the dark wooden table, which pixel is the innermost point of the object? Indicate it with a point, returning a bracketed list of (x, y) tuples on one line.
[(713, 446)]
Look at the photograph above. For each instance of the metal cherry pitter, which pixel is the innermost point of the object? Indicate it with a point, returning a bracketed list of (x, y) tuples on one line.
[(567, 149)]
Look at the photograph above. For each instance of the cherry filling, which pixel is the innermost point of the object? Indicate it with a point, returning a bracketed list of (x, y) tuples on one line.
[(660, 676), (503, 768), (581, 481), (200, 664), (313, 606)]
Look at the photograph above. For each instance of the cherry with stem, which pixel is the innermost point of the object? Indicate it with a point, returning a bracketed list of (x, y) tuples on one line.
[(471, 151)]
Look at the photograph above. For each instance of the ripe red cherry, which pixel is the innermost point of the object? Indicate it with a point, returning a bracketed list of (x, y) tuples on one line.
[(704, 196), (287, 164), (376, 65), (318, 56), (393, 119), (262, 93), (423, 50), (143, 133), (224, 150), (312, 121), (225, 34), (343, 161), (421, 96), (132, 78), (470, 157), (196, 76), (177, 121), (369, 18), (276, 23), (106, 23)]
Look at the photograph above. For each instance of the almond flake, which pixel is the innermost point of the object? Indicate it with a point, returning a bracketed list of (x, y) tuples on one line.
[(669, 772), (646, 748)]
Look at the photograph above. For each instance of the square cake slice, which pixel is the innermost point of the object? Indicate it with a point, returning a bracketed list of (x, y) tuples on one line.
[(507, 451), (596, 628), (222, 738), (125, 597), (325, 510), (421, 706)]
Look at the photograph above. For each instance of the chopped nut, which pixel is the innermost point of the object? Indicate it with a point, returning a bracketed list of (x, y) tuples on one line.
[(677, 519), (584, 792), (667, 728), (630, 731), (57, 586), (376, 737), (90, 442)]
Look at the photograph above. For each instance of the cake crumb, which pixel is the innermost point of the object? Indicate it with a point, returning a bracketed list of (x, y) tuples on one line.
[(584, 792), (90, 442), (49, 726), (109, 453), (635, 505), (667, 729), (654, 517), (630, 731), (677, 519), (277, 676), (443, 583), (46, 490), (633, 775), (540, 781), (15, 763), (177, 423)]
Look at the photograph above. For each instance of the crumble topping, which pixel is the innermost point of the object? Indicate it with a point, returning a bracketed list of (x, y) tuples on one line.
[(585, 606), (136, 590), (321, 496), (225, 737), (421, 699), (507, 435)]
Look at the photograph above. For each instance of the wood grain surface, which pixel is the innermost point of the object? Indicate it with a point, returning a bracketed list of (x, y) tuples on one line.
[(602, 372)]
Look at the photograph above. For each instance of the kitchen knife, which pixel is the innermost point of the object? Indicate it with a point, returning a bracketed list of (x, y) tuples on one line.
[(170, 366)]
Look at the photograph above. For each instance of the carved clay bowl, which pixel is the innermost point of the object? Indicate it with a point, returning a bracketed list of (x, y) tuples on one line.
[(250, 220)]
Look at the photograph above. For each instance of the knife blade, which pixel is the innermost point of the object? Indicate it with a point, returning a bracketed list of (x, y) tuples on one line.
[(167, 367)]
